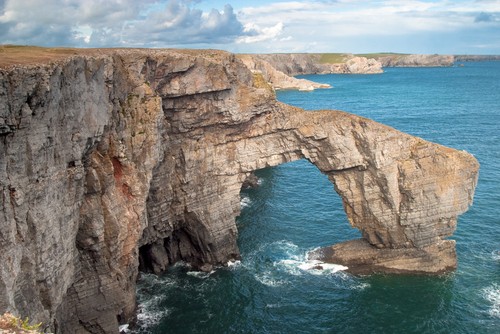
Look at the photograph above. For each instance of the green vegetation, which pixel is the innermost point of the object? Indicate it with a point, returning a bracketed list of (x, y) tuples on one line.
[(260, 82), (381, 54), (332, 58), (13, 323)]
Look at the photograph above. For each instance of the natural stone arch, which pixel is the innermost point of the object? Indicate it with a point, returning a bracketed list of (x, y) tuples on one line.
[(112, 150), (400, 191)]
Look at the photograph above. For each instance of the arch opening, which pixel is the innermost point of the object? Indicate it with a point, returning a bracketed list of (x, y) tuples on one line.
[(294, 209)]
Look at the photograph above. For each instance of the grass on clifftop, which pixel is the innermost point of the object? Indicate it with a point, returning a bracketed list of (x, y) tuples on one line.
[(381, 54), (24, 55), (333, 58)]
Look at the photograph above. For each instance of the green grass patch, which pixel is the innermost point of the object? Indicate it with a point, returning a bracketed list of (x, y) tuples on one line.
[(333, 58), (381, 54)]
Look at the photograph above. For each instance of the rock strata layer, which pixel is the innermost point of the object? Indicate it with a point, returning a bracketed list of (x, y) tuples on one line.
[(276, 78), (293, 64), (116, 160)]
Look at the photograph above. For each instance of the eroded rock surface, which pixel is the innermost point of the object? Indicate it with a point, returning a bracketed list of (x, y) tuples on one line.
[(135, 158), (293, 64), (416, 60), (276, 78)]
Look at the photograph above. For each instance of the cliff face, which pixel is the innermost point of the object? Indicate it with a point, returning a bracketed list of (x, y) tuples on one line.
[(293, 64), (135, 158), (277, 78), (416, 60)]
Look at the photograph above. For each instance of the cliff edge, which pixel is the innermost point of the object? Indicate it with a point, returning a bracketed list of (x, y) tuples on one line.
[(115, 160)]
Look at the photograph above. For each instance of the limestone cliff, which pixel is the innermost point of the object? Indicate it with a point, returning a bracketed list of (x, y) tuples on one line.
[(111, 160), (293, 64), (276, 78), (415, 60)]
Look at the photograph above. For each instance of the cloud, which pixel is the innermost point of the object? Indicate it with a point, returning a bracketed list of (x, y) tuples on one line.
[(115, 23), (258, 26), (363, 26), (258, 34), (178, 23), (486, 17)]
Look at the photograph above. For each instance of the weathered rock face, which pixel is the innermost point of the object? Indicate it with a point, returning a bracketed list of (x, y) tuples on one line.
[(415, 60), (135, 158), (309, 63), (276, 78)]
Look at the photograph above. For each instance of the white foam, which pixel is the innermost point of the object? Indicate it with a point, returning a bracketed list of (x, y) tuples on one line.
[(273, 305), (301, 266), (267, 279), (492, 294), (148, 319), (149, 313), (200, 274), (123, 329), (235, 263), (317, 266), (245, 201), (360, 286), (495, 255)]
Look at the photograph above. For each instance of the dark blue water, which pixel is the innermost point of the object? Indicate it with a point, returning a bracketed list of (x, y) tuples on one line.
[(296, 210)]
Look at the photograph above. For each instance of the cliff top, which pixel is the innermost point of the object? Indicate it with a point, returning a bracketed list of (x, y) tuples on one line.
[(30, 55), (11, 55)]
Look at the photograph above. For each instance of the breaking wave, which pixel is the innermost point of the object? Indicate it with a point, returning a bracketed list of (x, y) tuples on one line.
[(492, 295)]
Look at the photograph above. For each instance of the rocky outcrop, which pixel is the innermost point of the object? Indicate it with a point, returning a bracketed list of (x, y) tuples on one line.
[(465, 58), (293, 64), (416, 60), (120, 159), (361, 257), (276, 78), (358, 65), (279, 69)]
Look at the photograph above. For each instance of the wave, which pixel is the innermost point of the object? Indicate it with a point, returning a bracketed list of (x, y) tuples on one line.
[(495, 255), (150, 312), (235, 263), (266, 278), (245, 201), (492, 294), (275, 264), (200, 274)]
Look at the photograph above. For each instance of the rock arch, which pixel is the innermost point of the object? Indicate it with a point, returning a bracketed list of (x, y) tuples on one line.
[(106, 155), (401, 192)]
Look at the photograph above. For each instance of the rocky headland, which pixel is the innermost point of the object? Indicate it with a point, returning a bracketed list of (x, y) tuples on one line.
[(113, 161), (280, 69), (415, 60)]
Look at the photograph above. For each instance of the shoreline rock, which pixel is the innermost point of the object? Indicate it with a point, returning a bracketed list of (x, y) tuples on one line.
[(362, 258), (277, 79)]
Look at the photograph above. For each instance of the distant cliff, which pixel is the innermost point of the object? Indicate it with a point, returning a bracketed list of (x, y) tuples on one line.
[(415, 60), (113, 161), (463, 58), (279, 69), (277, 78), (314, 63)]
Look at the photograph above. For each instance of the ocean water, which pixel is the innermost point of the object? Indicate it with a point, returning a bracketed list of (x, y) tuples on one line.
[(274, 289)]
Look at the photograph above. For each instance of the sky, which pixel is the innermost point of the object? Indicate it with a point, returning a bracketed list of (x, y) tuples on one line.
[(354, 26)]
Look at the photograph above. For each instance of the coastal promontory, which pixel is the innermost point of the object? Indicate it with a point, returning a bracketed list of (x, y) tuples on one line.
[(119, 160)]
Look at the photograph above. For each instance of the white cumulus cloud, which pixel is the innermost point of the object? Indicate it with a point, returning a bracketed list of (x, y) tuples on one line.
[(115, 23), (258, 34)]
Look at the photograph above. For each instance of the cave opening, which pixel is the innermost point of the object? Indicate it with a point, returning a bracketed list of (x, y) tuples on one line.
[(292, 202)]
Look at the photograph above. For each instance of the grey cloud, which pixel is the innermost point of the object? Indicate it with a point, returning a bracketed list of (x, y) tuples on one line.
[(115, 23), (487, 17), (177, 23)]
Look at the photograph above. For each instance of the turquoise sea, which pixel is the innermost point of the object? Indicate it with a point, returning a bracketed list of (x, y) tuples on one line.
[(296, 209)]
